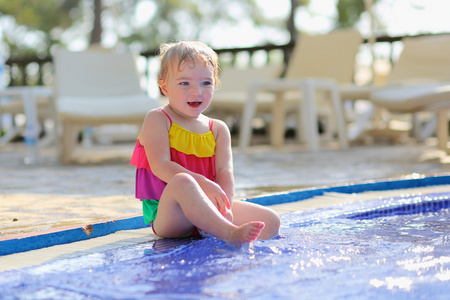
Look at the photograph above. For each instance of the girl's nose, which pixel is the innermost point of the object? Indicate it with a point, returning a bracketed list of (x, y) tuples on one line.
[(196, 89)]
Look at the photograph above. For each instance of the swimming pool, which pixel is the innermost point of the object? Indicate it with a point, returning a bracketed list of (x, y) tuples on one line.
[(385, 248)]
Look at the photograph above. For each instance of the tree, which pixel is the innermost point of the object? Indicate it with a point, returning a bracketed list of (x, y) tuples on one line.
[(50, 20), (97, 29), (46, 19), (53, 22), (185, 19), (349, 12)]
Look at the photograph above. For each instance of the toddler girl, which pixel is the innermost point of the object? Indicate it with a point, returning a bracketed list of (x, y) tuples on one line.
[(184, 161)]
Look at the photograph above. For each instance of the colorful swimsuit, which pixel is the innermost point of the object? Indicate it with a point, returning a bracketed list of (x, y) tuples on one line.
[(193, 151)]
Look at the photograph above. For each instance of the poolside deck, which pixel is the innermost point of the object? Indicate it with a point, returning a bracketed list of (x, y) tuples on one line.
[(50, 195)]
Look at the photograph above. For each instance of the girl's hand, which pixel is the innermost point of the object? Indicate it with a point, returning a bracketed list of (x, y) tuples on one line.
[(217, 196), (228, 215)]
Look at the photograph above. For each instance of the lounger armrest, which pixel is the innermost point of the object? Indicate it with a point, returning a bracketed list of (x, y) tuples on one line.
[(412, 98)]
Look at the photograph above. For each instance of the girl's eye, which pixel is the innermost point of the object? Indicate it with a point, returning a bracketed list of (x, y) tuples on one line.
[(207, 83), (184, 83)]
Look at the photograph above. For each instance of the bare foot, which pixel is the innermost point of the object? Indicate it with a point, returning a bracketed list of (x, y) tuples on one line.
[(245, 233)]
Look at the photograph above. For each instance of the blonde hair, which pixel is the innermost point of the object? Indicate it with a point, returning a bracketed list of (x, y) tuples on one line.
[(175, 54)]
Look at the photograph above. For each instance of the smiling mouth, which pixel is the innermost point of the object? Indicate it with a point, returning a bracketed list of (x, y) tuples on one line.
[(195, 103)]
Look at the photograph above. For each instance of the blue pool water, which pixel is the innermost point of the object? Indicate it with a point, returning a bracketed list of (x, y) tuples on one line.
[(396, 248)]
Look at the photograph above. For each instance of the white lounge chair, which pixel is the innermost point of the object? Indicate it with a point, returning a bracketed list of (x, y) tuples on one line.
[(96, 88), (13, 105), (420, 81), (318, 64), (229, 100)]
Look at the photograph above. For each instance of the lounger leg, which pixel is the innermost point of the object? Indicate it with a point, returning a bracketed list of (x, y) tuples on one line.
[(56, 126), (340, 120), (248, 115), (308, 111), (279, 120), (302, 117), (422, 132), (442, 130), (68, 142)]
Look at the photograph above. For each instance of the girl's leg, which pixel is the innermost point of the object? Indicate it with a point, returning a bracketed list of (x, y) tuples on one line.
[(244, 212), (183, 205)]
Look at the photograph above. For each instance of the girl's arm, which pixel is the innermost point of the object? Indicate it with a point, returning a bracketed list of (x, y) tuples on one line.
[(224, 159), (154, 138)]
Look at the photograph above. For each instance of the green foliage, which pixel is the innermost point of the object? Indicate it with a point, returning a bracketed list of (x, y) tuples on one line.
[(349, 12), (42, 18), (170, 20), (190, 19), (41, 15)]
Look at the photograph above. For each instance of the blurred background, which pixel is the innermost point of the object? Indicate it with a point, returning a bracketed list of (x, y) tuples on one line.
[(245, 33), (32, 28)]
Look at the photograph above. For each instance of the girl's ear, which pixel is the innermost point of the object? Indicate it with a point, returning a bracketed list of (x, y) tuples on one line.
[(163, 87)]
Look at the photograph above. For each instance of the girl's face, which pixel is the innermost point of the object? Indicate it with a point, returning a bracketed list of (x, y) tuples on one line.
[(190, 89)]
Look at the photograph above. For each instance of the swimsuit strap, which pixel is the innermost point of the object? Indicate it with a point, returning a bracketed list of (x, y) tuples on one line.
[(167, 115), (210, 120)]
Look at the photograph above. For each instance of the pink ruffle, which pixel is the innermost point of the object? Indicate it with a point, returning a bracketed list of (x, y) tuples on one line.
[(139, 158), (149, 186)]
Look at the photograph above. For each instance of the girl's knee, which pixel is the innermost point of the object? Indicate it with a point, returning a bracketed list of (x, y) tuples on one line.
[(270, 217), (275, 220), (182, 179), (273, 225), (178, 185)]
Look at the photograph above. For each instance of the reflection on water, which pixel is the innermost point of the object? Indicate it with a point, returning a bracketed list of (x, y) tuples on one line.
[(397, 256)]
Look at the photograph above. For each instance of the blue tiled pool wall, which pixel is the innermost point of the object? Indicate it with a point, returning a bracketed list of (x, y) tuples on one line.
[(370, 209), (419, 205), (305, 217), (68, 236), (350, 188)]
